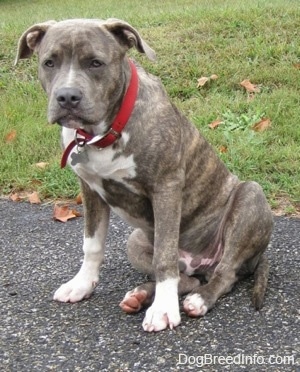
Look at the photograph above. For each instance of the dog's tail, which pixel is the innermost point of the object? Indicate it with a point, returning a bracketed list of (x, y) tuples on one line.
[(261, 275)]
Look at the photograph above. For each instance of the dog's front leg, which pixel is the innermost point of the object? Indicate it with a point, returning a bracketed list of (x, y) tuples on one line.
[(96, 214), (164, 311)]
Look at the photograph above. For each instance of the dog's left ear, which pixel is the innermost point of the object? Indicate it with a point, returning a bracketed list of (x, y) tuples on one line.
[(129, 36)]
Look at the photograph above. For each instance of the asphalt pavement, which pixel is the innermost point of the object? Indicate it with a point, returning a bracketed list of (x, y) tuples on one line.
[(37, 254)]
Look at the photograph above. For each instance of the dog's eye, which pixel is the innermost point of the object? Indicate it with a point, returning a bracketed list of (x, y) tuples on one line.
[(49, 63), (96, 63)]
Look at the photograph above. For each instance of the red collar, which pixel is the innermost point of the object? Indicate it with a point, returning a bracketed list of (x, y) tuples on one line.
[(82, 137)]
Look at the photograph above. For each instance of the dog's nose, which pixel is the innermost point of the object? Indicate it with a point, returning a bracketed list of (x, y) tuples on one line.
[(68, 97)]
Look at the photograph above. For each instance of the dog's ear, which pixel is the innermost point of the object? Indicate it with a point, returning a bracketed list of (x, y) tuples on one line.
[(129, 36), (31, 39)]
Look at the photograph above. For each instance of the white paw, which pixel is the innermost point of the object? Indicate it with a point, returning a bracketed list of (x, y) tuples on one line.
[(164, 311), (158, 318), (194, 305), (77, 289)]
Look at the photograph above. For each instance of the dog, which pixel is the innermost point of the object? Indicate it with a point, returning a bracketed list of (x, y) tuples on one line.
[(137, 155)]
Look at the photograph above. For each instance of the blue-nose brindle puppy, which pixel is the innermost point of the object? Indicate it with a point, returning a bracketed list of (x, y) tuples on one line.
[(192, 217)]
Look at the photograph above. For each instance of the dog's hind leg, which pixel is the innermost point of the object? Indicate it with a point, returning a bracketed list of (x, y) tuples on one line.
[(245, 236), (140, 254)]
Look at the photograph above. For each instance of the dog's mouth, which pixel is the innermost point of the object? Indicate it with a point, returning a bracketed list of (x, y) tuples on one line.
[(72, 122)]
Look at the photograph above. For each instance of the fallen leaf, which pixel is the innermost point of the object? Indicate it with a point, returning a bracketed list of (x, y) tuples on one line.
[(251, 88), (215, 123), (34, 198), (223, 149), (297, 66), (202, 81), (15, 197), (262, 125), (41, 165), (76, 213), (11, 136), (64, 213), (79, 199)]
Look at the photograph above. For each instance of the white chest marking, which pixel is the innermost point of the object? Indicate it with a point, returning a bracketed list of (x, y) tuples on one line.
[(102, 164)]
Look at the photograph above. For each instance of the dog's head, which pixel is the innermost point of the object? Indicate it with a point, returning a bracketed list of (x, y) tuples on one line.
[(82, 67)]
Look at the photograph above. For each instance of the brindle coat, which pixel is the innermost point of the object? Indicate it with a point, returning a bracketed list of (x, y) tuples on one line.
[(192, 216)]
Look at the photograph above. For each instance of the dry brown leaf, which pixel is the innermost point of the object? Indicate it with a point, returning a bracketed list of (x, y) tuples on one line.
[(79, 199), (11, 136), (223, 149), (262, 125), (251, 88), (41, 165), (15, 197), (64, 213), (297, 66), (76, 213), (202, 81), (215, 123), (34, 198)]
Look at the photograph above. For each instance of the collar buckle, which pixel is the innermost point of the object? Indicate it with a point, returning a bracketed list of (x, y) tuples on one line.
[(114, 133), (79, 141)]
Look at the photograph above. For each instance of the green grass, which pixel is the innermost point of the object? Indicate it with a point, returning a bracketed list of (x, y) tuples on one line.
[(235, 39)]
